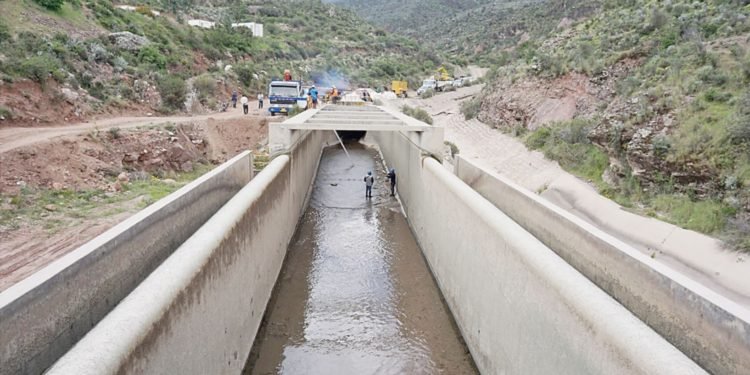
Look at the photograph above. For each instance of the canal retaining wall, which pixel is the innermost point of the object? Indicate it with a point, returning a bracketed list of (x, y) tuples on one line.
[(44, 315), (520, 307), (198, 313), (713, 331)]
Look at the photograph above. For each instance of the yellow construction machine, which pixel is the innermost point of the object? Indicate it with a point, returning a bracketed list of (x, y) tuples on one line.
[(399, 88)]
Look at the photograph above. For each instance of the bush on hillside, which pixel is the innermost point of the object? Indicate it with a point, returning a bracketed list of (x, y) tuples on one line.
[(418, 113), (151, 55), (51, 4), (204, 85), (245, 73), (173, 90), (739, 128), (4, 32), (40, 67), (471, 107), (428, 93)]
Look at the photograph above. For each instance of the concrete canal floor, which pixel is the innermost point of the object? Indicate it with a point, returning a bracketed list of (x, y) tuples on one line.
[(355, 295)]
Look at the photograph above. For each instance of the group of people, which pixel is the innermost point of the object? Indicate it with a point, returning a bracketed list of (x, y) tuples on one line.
[(370, 181), (245, 101)]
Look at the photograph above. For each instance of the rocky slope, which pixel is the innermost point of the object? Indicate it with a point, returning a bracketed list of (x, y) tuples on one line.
[(648, 101)]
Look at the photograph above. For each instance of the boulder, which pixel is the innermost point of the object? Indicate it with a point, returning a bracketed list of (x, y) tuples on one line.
[(128, 41)]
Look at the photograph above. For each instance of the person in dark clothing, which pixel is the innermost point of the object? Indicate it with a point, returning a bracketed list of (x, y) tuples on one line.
[(234, 99), (369, 181), (392, 177)]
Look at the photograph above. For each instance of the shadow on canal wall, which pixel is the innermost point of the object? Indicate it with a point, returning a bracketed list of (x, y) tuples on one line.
[(198, 313), (520, 307)]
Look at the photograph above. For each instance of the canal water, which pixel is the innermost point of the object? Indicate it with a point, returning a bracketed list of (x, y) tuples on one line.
[(355, 295)]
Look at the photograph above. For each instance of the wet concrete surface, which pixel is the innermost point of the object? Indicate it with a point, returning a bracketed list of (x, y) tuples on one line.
[(355, 295)]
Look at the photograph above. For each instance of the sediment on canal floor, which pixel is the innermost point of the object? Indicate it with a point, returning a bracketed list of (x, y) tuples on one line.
[(355, 294)]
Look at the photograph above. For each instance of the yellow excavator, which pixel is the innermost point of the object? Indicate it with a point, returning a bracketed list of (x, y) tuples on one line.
[(443, 75)]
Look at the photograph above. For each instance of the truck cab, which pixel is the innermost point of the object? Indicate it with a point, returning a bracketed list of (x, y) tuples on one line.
[(427, 84), (284, 95)]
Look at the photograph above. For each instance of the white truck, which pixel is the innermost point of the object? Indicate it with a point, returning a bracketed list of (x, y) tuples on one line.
[(433, 84)]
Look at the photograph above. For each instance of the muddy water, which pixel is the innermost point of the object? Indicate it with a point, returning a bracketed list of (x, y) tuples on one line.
[(355, 295)]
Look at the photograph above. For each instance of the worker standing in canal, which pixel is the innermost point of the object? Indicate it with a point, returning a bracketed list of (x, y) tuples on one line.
[(369, 181), (392, 177)]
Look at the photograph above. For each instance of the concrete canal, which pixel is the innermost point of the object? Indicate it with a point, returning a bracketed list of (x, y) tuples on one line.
[(355, 294)]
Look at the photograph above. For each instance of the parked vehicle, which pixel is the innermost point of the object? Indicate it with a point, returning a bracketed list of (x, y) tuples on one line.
[(433, 84), (400, 88), (283, 95)]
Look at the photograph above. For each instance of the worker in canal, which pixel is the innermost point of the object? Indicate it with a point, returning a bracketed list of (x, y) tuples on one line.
[(392, 177), (369, 181)]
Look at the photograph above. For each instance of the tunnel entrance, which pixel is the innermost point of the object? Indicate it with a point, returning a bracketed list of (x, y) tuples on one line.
[(351, 135), (355, 295)]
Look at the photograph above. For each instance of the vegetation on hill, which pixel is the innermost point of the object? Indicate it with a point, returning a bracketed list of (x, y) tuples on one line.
[(662, 124), (660, 114), (471, 31), (73, 47)]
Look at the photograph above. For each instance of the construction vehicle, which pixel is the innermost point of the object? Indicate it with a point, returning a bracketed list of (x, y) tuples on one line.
[(400, 88), (443, 75), (284, 95), (438, 82)]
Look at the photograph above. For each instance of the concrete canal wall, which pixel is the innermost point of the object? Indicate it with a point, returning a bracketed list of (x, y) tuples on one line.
[(520, 307), (710, 329), (44, 315), (198, 313)]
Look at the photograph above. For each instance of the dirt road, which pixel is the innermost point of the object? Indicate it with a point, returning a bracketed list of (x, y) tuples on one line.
[(696, 255), (12, 138)]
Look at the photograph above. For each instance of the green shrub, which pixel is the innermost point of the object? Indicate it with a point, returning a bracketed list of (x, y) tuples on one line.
[(6, 113), (4, 32), (204, 85), (51, 4), (428, 93), (173, 90), (470, 108), (40, 67), (418, 113), (245, 73), (151, 55), (567, 143)]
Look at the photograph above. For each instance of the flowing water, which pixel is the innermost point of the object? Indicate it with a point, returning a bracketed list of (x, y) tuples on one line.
[(355, 295)]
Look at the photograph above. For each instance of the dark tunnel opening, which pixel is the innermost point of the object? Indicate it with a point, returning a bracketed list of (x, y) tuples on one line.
[(351, 135)]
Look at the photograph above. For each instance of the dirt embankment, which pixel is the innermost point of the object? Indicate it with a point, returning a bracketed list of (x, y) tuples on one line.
[(59, 193), (91, 160)]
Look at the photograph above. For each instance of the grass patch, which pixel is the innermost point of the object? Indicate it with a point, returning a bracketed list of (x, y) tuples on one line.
[(705, 216), (418, 113), (470, 108), (55, 209), (567, 143)]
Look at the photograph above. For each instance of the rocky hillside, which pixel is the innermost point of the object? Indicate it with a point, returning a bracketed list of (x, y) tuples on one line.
[(69, 60), (475, 31), (648, 100)]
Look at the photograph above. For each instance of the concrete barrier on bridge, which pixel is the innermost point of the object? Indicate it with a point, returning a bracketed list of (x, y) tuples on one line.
[(45, 314), (520, 307), (198, 313), (713, 331)]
